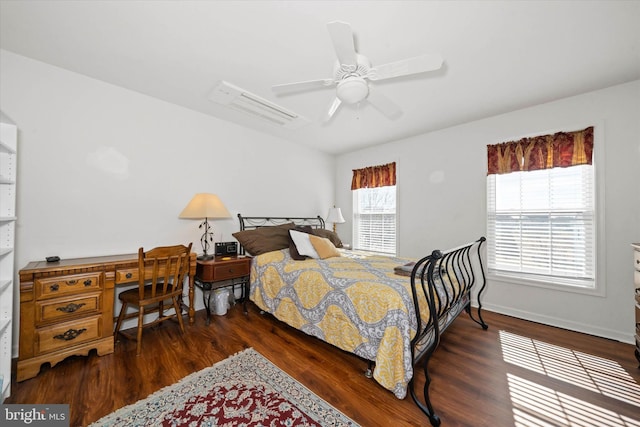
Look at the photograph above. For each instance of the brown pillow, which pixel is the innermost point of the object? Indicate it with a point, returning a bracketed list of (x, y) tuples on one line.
[(264, 239), (328, 234), (293, 250)]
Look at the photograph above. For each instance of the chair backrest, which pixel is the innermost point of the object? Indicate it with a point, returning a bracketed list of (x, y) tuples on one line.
[(163, 269)]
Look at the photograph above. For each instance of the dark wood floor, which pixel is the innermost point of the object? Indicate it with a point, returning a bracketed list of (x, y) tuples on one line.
[(517, 373)]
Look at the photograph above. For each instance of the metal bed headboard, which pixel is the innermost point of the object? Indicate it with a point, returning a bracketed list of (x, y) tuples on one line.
[(253, 222)]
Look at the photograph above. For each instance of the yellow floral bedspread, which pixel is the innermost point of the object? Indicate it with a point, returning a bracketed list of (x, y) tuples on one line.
[(354, 302)]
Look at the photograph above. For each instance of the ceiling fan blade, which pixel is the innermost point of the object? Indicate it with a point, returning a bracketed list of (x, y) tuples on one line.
[(335, 104), (301, 86), (418, 64), (342, 38), (384, 104)]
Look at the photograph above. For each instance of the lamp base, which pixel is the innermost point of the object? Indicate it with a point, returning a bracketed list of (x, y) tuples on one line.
[(205, 257)]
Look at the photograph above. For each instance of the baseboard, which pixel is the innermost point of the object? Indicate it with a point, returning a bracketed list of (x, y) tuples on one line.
[(561, 323)]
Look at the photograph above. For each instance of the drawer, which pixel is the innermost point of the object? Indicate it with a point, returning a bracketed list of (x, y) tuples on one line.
[(636, 278), (63, 309), (130, 275), (230, 270), (127, 276), (636, 260), (51, 287), (68, 334)]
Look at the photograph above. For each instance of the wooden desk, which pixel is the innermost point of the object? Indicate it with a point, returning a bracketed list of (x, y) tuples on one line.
[(66, 307)]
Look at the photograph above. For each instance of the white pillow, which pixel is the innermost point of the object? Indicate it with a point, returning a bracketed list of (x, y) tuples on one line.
[(303, 244)]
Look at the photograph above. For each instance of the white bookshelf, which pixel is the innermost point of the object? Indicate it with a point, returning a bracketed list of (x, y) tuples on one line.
[(8, 164)]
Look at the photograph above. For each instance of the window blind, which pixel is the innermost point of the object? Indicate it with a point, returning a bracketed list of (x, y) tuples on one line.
[(375, 219), (541, 225)]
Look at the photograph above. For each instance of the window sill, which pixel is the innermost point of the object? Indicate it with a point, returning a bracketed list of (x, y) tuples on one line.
[(521, 281)]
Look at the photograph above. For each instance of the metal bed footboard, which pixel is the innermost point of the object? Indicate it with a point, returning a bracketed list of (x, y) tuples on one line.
[(446, 281)]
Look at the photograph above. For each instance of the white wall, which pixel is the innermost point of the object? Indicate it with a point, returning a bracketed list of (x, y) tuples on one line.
[(104, 170), (441, 200)]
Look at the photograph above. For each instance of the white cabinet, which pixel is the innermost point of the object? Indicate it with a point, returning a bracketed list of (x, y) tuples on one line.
[(8, 164), (636, 282)]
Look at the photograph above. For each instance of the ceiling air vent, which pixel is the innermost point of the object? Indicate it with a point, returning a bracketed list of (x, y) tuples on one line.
[(241, 100)]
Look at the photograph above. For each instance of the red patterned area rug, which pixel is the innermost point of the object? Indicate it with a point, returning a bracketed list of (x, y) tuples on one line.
[(244, 390)]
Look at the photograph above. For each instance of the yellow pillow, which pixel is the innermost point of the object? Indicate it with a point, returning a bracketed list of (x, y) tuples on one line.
[(323, 247)]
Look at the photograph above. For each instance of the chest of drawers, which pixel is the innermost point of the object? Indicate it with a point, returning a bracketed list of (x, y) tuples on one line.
[(64, 311)]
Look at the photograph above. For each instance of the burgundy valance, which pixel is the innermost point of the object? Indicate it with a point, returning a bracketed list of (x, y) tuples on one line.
[(561, 149), (374, 176)]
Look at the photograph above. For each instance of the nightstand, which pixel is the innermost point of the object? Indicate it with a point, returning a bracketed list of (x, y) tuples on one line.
[(223, 272)]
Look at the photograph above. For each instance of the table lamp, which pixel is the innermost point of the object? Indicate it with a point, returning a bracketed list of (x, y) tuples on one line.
[(335, 216), (207, 206)]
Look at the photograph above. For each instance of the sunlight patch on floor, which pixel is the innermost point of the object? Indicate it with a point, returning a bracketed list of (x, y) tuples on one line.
[(593, 373), (538, 406)]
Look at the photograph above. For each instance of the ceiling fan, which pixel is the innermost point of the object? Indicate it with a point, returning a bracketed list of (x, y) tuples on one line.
[(352, 73)]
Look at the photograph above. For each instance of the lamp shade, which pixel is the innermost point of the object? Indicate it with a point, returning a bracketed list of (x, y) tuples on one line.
[(335, 216), (205, 205)]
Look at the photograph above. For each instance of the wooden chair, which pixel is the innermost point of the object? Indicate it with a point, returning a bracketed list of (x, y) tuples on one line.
[(161, 274)]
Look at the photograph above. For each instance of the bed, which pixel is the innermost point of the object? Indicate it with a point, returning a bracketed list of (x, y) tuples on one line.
[(360, 302)]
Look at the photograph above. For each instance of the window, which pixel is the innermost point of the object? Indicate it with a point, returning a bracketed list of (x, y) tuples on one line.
[(374, 219), (374, 208), (541, 225)]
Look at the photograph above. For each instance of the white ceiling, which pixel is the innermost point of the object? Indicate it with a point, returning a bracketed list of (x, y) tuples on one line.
[(499, 56)]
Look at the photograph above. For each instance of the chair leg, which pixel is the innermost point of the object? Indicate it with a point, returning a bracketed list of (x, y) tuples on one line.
[(140, 324), (123, 310), (176, 306)]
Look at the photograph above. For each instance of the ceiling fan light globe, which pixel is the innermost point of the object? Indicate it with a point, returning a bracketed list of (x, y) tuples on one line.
[(352, 90)]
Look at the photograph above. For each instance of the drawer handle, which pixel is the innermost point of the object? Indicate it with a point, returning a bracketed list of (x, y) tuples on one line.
[(54, 287), (72, 282), (69, 335), (128, 275), (88, 282), (231, 270), (70, 308)]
